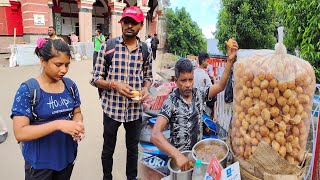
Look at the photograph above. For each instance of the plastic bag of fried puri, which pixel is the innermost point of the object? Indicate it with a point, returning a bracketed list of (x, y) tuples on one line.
[(273, 96)]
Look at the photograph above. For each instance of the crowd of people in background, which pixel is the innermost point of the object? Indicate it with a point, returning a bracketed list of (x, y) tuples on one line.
[(98, 39)]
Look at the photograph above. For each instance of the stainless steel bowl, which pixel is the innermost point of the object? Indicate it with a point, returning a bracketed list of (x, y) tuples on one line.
[(176, 173), (210, 141)]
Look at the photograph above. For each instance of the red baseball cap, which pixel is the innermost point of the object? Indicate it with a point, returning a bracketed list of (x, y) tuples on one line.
[(134, 12)]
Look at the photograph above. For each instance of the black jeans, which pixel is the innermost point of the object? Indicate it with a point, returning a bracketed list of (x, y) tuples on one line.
[(154, 53), (47, 174), (94, 60), (133, 130)]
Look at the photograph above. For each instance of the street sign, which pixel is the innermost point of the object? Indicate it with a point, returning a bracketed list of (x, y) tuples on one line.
[(39, 19)]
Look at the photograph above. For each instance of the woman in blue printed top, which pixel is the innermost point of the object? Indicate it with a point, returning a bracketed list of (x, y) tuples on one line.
[(50, 129)]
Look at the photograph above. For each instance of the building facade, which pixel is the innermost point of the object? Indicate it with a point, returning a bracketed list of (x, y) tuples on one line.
[(29, 19)]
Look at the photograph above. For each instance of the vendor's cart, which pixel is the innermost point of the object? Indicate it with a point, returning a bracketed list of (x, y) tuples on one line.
[(152, 162)]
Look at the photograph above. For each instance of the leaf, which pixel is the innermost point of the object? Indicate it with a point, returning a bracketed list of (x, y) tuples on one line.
[(252, 23), (183, 34)]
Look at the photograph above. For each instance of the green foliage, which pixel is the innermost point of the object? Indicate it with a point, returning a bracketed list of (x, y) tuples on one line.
[(301, 19), (183, 36), (250, 22)]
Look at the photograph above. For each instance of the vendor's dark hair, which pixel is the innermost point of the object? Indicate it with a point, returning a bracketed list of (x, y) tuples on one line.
[(202, 56), (52, 48), (183, 66)]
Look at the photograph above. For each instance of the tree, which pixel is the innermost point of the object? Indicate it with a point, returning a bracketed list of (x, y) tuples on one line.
[(250, 22), (183, 36), (301, 20)]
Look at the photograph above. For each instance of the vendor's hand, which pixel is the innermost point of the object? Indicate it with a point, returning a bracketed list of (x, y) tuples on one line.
[(144, 94), (124, 89), (183, 162), (232, 52)]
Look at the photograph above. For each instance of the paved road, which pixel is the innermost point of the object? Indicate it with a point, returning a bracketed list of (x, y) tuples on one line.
[(88, 165)]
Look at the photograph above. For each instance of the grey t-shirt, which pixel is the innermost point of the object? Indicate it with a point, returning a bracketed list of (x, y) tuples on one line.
[(201, 78), (185, 121)]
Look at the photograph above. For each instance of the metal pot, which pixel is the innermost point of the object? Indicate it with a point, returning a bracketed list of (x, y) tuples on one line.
[(209, 141), (176, 173)]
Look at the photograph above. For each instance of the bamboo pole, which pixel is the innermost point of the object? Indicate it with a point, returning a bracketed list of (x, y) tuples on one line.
[(14, 36), (12, 62)]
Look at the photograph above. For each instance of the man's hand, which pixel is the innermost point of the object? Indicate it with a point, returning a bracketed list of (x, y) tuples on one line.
[(232, 51), (144, 94), (124, 89), (183, 162)]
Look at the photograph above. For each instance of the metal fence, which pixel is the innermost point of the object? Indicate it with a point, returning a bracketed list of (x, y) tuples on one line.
[(223, 110), (23, 54)]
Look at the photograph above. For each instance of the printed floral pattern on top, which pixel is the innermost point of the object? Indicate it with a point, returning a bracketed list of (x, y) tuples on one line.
[(185, 121)]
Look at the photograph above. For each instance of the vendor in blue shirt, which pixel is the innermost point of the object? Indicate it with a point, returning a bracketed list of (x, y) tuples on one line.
[(50, 129)]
